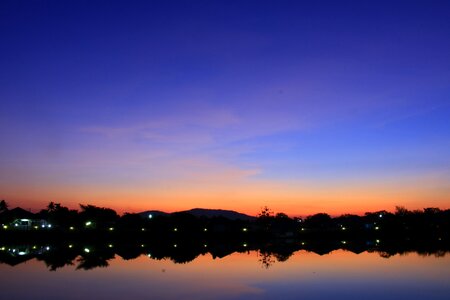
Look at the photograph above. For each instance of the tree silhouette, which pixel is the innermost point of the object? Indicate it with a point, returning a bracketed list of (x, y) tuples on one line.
[(3, 206)]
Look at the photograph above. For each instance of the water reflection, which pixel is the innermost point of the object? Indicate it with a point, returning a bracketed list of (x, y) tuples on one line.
[(88, 256)]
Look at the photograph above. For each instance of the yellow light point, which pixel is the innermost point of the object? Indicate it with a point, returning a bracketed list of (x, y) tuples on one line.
[(142, 229), (71, 228), (5, 226), (175, 245), (244, 229), (245, 244), (175, 229), (376, 228), (111, 228), (70, 246), (206, 229), (344, 242), (110, 245), (142, 245)]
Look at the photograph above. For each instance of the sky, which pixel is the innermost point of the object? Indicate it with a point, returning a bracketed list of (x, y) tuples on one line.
[(304, 107)]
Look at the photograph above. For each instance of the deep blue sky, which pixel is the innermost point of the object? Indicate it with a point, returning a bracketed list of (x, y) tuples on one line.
[(325, 106)]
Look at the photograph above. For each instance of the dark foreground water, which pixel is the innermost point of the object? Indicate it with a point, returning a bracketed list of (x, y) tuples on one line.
[(339, 274)]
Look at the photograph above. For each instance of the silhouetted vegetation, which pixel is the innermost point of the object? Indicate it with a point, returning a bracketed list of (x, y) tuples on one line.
[(57, 221)]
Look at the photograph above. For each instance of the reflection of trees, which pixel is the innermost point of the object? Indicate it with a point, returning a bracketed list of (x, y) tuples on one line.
[(88, 262), (265, 259), (58, 260), (184, 251)]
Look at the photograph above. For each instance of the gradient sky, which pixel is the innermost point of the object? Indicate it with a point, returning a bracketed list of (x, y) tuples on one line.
[(331, 106)]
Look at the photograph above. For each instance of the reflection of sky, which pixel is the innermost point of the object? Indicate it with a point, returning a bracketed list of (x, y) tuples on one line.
[(304, 275), (301, 107)]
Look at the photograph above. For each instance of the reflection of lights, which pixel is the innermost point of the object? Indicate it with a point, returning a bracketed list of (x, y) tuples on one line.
[(87, 250), (88, 223)]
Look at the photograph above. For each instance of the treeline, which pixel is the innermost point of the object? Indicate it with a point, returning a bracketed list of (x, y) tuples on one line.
[(429, 223), (89, 255)]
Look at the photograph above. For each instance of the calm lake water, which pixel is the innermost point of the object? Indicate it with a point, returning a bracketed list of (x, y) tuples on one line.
[(249, 275)]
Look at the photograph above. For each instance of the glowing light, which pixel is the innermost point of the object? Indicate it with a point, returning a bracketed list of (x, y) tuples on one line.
[(175, 229), (377, 241), (175, 245), (47, 248), (2, 248), (5, 226), (87, 250), (16, 224), (244, 229), (205, 230), (343, 228), (22, 253), (34, 247), (149, 255), (143, 229), (70, 246), (344, 242), (49, 225), (36, 227), (88, 223), (380, 215), (110, 245), (150, 216), (111, 228), (205, 245), (376, 228), (244, 244), (71, 228), (142, 245)]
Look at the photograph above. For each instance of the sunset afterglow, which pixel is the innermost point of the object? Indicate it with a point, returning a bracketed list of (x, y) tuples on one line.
[(303, 108)]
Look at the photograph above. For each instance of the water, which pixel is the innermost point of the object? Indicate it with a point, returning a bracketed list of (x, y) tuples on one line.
[(340, 274)]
